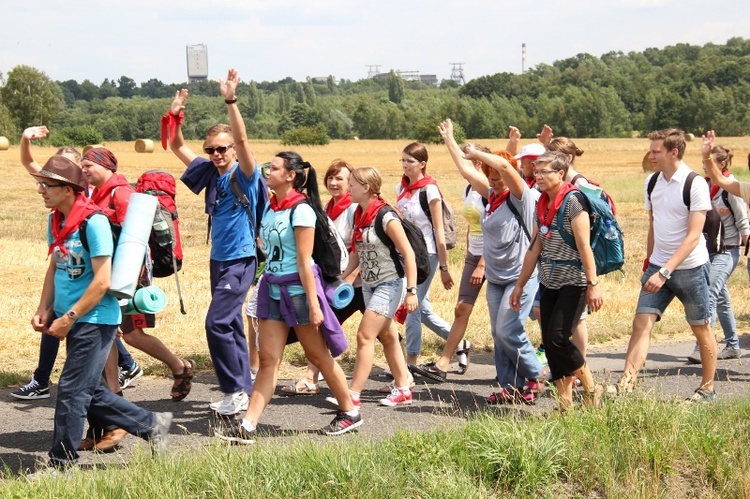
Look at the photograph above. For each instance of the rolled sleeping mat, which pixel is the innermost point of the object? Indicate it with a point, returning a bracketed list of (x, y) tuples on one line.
[(132, 245), (148, 300), (338, 293)]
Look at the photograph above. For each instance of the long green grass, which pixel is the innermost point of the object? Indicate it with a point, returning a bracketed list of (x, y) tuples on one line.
[(637, 446)]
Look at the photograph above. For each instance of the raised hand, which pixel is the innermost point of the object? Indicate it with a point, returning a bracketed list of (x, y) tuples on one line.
[(709, 140), (446, 129), (228, 87), (514, 133), (35, 132), (545, 136), (178, 104)]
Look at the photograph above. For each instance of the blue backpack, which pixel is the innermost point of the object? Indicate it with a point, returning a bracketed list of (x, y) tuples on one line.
[(607, 242)]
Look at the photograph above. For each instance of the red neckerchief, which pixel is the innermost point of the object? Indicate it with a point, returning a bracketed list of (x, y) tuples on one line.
[(546, 213), (406, 188), (102, 197), (496, 200), (169, 124), (530, 181), (365, 218), (82, 208), (334, 210), (290, 200), (716, 188)]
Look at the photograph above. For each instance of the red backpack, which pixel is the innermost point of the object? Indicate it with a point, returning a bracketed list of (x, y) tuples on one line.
[(165, 243)]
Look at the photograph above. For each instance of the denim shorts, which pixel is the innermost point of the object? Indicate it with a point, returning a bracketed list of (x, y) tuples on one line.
[(301, 310), (385, 298), (690, 286)]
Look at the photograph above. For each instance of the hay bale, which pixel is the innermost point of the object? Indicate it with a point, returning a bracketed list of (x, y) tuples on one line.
[(646, 163), (91, 146), (689, 137), (144, 145), (4, 143)]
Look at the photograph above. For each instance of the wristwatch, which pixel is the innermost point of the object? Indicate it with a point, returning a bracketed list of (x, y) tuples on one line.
[(412, 290), (443, 267), (593, 283), (665, 273), (72, 314)]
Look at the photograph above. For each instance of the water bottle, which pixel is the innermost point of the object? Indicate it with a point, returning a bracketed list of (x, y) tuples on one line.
[(610, 233), (541, 355)]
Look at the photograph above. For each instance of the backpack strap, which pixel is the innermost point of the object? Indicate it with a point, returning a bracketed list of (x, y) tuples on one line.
[(576, 178), (518, 217), (424, 204), (686, 187), (725, 199), (242, 199), (385, 239)]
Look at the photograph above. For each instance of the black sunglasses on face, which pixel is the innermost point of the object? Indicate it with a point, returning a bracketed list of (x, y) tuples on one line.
[(220, 149)]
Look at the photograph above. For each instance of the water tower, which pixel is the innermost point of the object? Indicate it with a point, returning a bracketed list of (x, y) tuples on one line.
[(197, 63)]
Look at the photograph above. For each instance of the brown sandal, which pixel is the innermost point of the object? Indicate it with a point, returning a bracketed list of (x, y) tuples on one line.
[(183, 383)]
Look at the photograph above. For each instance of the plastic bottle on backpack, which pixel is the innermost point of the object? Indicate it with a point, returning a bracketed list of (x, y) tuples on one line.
[(611, 232)]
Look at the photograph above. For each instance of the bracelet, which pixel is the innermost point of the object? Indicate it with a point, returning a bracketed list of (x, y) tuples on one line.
[(231, 101), (708, 159)]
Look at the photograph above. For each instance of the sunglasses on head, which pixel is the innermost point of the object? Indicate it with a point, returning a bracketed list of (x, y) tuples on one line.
[(220, 149)]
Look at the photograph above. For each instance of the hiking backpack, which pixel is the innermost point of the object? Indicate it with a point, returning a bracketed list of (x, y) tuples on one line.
[(606, 237), (329, 249), (604, 195), (416, 239), (449, 219), (713, 228), (164, 242)]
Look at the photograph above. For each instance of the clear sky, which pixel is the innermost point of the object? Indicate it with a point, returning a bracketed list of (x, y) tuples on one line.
[(272, 39)]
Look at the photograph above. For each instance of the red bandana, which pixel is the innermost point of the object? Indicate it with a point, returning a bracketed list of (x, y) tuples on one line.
[(408, 188), (716, 188), (290, 200), (103, 197), (334, 210), (496, 200), (530, 181), (169, 124), (82, 208), (546, 213), (365, 218)]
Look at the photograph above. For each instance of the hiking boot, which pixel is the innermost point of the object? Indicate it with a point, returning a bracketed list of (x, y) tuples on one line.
[(332, 400), (343, 423), (160, 430), (110, 440), (236, 434), (32, 390), (127, 376), (695, 357), (702, 395), (231, 404), (729, 353), (397, 397)]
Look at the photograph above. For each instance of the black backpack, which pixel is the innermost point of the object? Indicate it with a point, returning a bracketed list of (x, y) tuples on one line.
[(713, 229), (416, 239), (329, 250)]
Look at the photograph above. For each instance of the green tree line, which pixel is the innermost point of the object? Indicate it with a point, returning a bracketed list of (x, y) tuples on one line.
[(616, 95)]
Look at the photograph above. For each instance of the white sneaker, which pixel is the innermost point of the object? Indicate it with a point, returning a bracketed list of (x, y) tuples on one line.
[(231, 404)]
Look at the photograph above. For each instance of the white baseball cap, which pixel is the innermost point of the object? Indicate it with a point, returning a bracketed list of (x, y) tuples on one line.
[(534, 150)]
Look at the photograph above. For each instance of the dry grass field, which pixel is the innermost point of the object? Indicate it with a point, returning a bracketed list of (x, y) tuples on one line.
[(615, 163)]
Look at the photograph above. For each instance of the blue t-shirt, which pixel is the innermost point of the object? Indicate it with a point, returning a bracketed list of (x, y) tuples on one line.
[(278, 237), (74, 272), (231, 233)]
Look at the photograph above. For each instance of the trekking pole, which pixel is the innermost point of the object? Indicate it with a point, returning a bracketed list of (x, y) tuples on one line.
[(177, 280)]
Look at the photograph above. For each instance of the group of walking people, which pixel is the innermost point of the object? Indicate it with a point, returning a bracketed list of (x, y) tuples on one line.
[(516, 217)]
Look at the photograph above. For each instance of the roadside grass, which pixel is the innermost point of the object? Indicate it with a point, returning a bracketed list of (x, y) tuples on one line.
[(644, 445)]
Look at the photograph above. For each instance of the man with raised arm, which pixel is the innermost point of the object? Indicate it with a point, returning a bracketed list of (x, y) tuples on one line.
[(233, 262), (677, 264)]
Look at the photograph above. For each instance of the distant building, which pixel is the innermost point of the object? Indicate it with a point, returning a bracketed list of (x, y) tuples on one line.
[(410, 76), (197, 63)]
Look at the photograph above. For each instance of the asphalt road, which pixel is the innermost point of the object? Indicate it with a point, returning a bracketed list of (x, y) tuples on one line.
[(26, 426)]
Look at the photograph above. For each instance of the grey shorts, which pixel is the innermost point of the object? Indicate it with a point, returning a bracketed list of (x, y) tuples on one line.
[(466, 292)]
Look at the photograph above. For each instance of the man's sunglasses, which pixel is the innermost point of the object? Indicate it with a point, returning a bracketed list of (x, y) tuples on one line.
[(220, 149)]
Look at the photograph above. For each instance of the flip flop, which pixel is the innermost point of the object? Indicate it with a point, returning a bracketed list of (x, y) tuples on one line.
[(301, 387), (430, 371)]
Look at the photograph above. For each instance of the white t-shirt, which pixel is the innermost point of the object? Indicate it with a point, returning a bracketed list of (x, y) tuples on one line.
[(411, 210), (671, 217)]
